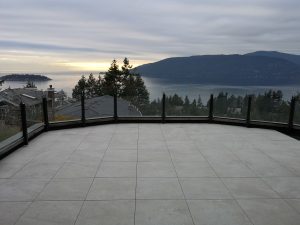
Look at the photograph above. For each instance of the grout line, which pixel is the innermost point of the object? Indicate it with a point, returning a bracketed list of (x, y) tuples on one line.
[(154, 199), (262, 177), (233, 198), (46, 184), (95, 175), (136, 171), (185, 199)]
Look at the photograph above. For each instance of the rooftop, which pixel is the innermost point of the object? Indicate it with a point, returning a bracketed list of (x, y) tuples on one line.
[(160, 174), (99, 107), (29, 96)]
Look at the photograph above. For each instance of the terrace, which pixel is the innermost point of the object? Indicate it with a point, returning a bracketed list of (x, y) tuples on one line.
[(153, 174), (162, 169)]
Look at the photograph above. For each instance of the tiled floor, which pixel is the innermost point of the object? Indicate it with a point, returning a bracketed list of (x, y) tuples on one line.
[(158, 174)]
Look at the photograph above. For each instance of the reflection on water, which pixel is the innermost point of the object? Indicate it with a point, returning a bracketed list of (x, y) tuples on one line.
[(156, 87)]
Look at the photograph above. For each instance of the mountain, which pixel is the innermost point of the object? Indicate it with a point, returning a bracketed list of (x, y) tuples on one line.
[(24, 77), (250, 69), (279, 55)]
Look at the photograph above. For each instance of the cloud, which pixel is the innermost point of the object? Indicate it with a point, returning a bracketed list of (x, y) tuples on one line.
[(93, 31)]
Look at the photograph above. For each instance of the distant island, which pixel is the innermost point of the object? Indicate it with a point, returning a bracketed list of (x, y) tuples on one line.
[(253, 69), (24, 77)]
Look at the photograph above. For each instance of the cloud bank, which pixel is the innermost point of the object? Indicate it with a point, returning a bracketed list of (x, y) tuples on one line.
[(55, 35)]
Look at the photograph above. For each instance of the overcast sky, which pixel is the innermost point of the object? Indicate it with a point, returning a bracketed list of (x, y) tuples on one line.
[(85, 35)]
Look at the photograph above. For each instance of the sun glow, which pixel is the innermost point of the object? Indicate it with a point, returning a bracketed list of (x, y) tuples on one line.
[(87, 66), (97, 66)]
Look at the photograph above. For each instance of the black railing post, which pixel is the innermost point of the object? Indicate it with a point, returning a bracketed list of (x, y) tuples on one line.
[(115, 108), (211, 107), (248, 118), (24, 123), (45, 113), (82, 108), (163, 114), (292, 113)]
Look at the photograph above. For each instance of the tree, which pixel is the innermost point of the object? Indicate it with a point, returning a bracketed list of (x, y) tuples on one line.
[(79, 88), (123, 83), (91, 86), (99, 86), (186, 101), (199, 102), (112, 80)]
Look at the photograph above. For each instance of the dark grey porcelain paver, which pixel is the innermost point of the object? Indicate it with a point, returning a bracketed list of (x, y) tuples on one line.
[(155, 169), (153, 174), (156, 156), (107, 213), (217, 212), (194, 169), (77, 170), (295, 203), (287, 187), (162, 212), (112, 189), (66, 189), (204, 188), (51, 212), (20, 189), (117, 169), (121, 156), (158, 188), (7, 170), (11, 211), (270, 212), (38, 170), (249, 188)]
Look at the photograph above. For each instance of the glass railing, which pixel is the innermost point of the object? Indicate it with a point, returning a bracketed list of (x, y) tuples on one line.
[(270, 107), (230, 106), (10, 121), (297, 113), (99, 106), (137, 106), (263, 108), (34, 114), (64, 111), (185, 106)]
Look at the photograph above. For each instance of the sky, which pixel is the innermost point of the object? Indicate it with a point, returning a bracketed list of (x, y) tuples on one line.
[(44, 36)]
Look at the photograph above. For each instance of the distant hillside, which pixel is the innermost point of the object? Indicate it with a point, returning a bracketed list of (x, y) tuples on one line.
[(279, 55), (224, 70), (24, 77)]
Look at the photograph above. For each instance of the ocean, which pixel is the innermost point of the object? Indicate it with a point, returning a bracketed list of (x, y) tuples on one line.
[(156, 88)]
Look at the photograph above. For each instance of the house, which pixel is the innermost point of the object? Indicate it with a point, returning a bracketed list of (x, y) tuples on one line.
[(10, 100)]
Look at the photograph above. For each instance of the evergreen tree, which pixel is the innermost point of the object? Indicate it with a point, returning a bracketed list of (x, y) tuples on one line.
[(186, 101), (79, 88), (124, 83), (99, 86), (112, 80), (199, 102), (91, 86)]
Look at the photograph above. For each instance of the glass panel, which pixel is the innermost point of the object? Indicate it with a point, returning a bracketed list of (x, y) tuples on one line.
[(99, 106), (10, 121), (185, 106), (64, 110), (137, 106), (270, 107), (34, 114), (297, 113), (230, 106)]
